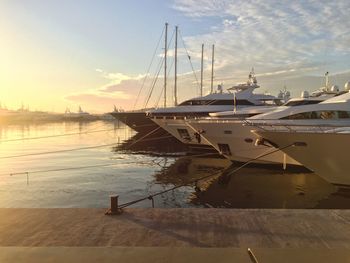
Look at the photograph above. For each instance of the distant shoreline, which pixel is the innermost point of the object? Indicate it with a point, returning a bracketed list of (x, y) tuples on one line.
[(40, 117)]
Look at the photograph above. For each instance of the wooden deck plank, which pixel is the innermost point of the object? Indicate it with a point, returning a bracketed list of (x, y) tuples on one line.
[(183, 227), (168, 254)]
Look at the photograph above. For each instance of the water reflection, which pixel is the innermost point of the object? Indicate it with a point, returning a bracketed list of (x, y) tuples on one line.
[(158, 141), (135, 175), (253, 187)]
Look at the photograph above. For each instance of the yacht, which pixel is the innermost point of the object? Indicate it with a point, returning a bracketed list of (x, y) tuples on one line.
[(78, 116), (136, 119), (232, 137), (322, 149), (237, 98)]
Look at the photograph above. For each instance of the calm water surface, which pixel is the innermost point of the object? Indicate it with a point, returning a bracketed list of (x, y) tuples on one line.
[(135, 175)]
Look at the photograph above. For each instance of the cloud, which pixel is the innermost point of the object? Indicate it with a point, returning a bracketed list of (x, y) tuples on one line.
[(96, 101), (120, 89), (116, 77), (92, 98), (295, 37), (201, 8), (286, 42), (128, 86)]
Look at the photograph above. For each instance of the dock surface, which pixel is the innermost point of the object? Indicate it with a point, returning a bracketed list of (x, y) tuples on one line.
[(227, 230)]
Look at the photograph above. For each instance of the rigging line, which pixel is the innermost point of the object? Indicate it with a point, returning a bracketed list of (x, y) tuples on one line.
[(61, 169), (161, 93), (153, 84), (189, 58), (260, 156), (71, 168), (202, 178), (69, 131), (149, 68), (170, 189), (159, 98), (163, 61), (158, 138), (53, 136), (103, 124), (198, 155), (153, 131), (143, 125), (156, 77), (168, 74), (162, 90), (59, 151), (154, 80)]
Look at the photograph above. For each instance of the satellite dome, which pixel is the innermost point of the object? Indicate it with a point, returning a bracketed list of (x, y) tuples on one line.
[(304, 94), (335, 89), (347, 86)]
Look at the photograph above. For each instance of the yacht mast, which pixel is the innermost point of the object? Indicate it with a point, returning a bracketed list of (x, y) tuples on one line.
[(327, 80), (175, 81), (165, 58), (212, 70), (202, 71), (234, 103)]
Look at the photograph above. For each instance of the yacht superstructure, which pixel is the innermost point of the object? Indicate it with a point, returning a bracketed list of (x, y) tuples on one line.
[(238, 98), (232, 137)]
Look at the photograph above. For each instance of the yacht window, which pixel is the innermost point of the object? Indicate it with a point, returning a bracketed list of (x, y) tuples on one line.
[(227, 132), (215, 102), (275, 102), (319, 115), (224, 149), (187, 102), (327, 115), (343, 114), (194, 103), (302, 102), (310, 102), (184, 134), (231, 102), (298, 116)]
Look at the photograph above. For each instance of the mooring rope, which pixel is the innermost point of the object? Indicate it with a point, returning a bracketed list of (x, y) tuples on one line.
[(72, 168), (78, 148), (146, 135), (194, 182), (54, 136)]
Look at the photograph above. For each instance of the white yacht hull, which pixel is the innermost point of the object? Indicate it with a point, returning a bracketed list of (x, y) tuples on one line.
[(240, 142), (174, 125), (324, 153)]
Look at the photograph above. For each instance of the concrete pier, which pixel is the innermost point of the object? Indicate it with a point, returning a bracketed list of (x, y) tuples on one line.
[(174, 235)]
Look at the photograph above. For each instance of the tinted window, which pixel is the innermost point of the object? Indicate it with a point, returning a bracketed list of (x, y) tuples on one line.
[(215, 102), (319, 115), (224, 149), (302, 102), (231, 102), (184, 134)]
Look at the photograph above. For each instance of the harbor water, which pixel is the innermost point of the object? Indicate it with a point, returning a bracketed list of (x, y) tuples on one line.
[(80, 164)]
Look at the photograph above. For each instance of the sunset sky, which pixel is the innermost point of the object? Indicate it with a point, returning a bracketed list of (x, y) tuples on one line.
[(61, 53)]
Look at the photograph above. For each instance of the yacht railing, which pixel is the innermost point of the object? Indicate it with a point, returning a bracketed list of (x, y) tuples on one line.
[(219, 120), (300, 127)]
